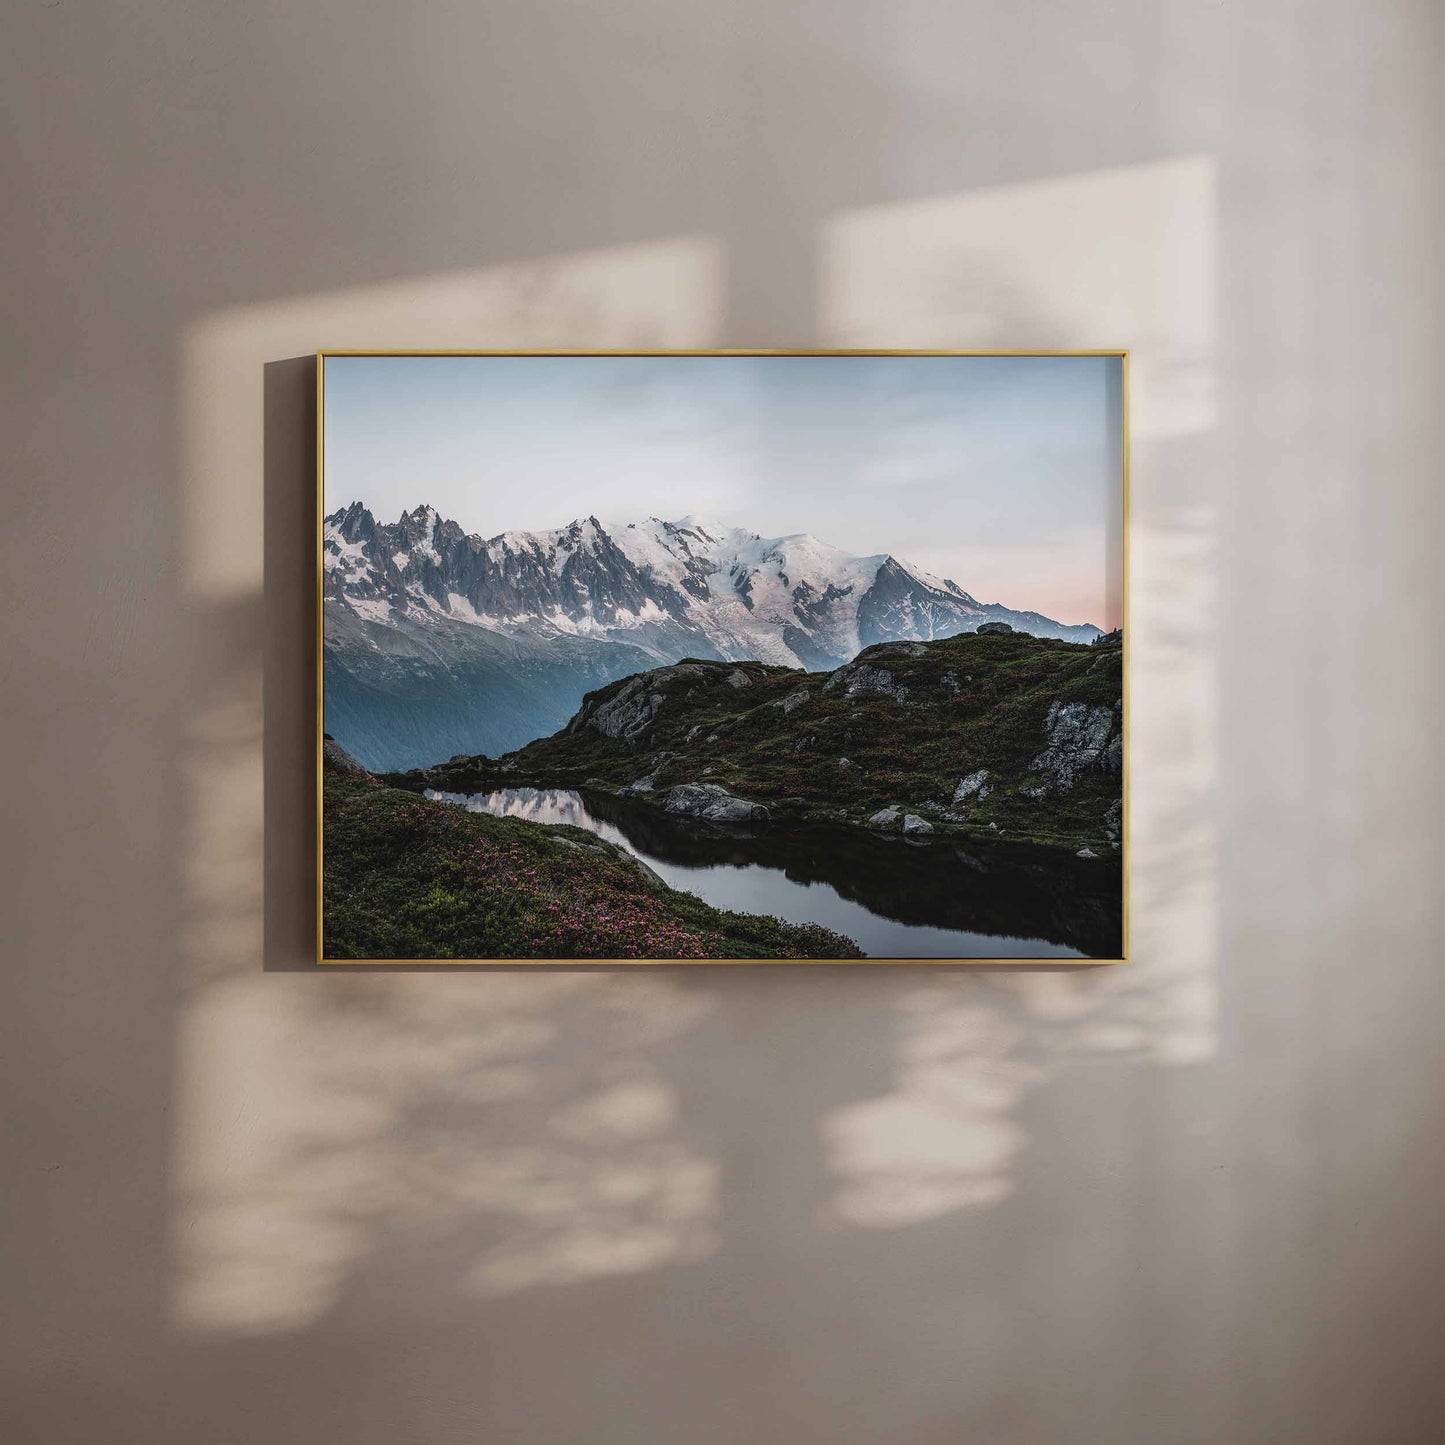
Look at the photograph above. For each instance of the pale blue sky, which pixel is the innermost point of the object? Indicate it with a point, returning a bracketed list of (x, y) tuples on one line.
[(998, 472)]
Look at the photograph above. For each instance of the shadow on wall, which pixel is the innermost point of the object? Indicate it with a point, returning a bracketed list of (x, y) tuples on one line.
[(363, 1144)]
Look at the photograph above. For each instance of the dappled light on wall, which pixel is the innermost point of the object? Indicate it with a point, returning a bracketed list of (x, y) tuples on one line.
[(325, 1128), (507, 1132), (1118, 257), (946, 1137)]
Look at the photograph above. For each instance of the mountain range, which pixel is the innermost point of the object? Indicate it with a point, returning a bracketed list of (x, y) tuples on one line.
[(440, 642)]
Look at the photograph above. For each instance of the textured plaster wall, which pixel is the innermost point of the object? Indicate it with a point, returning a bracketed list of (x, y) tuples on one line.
[(1196, 1200)]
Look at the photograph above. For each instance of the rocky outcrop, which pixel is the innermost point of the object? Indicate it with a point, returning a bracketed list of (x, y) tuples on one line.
[(1030, 742), (713, 804), (987, 627), (864, 674), (1079, 737), (631, 709)]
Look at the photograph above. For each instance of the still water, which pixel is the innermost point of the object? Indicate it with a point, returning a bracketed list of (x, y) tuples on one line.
[(894, 898)]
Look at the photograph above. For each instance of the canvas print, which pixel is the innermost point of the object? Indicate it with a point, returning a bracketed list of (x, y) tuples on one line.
[(684, 657)]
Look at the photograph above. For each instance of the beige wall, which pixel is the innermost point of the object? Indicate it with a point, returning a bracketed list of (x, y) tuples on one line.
[(1196, 1200)]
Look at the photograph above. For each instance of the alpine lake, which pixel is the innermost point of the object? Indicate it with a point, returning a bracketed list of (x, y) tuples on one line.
[(896, 897)]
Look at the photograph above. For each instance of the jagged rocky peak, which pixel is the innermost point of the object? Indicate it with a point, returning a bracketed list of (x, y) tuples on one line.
[(669, 587), (354, 523)]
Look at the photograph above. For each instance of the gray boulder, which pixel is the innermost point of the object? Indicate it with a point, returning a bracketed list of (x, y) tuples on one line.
[(886, 818), (975, 785), (861, 677), (713, 804), (994, 627), (914, 826), (793, 700)]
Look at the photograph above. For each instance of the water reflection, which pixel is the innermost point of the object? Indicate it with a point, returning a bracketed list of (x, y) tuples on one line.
[(894, 898)]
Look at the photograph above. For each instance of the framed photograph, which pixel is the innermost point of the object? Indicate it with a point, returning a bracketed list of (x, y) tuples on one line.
[(675, 657)]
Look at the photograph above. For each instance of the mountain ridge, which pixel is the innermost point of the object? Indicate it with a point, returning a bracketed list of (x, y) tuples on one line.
[(503, 635), (596, 577)]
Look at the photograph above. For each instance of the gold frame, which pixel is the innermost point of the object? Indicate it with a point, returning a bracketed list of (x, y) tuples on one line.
[(588, 963)]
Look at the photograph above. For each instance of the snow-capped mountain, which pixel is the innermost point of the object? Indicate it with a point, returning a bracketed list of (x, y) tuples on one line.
[(653, 584), (440, 639)]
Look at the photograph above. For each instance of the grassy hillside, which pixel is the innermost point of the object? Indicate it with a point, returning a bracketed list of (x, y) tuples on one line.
[(408, 878), (1000, 734)]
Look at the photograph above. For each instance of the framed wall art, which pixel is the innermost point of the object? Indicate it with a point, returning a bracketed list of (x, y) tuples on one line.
[(739, 656)]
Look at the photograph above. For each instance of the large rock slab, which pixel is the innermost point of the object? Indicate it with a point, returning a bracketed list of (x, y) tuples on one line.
[(713, 804), (1079, 737), (631, 709)]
